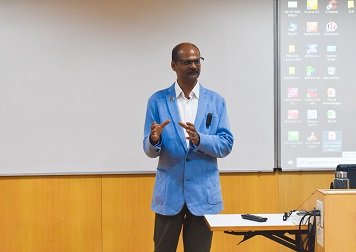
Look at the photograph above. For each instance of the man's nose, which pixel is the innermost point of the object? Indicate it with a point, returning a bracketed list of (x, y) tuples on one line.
[(193, 65)]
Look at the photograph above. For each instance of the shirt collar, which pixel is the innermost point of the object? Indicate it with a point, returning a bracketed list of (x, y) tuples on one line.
[(195, 91)]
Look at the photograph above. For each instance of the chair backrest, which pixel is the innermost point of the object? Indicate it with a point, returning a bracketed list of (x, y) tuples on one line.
[(351, 173)]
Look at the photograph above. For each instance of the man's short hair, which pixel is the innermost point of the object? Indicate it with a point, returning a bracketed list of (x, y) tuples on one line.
[(178, 47)]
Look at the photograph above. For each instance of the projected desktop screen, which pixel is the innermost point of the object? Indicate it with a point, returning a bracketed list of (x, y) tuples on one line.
[(317, 84)]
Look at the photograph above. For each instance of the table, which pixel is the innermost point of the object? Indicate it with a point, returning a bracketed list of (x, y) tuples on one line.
[(274, 228)]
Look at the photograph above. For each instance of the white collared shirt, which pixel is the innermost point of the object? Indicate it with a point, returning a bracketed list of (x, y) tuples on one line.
[(187, 107)]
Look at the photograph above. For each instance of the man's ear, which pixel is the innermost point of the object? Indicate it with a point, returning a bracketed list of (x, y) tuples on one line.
[(173, 65)]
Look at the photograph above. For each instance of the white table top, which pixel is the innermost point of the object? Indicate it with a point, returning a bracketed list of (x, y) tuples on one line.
[(234, 222)]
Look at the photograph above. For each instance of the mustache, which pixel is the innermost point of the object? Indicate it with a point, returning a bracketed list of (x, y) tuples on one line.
[(193, 71)]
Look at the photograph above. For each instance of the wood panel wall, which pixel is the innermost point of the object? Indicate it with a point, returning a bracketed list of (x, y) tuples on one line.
[(106, 213), (50, 214)]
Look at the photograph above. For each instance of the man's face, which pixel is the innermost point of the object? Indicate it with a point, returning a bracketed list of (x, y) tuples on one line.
[(187, 66)]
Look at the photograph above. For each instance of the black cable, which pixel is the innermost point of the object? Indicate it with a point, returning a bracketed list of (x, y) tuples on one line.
[(303, 246), (301, 241)]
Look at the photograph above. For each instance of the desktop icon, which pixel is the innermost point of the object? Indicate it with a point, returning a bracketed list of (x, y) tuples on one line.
[(332, 136), (293, 135), (292, 27), (331, 27), (312, 48), (292, 93), (291, 70), (291, 49), (310, 70), (312, 93), (331, 48), (331, 5), (312, 4), (331, 70), (350, 4), (312, 26), (332, 141), (331, 92), (293, 114), (312, 137), (292, 4), (312, 114), (331, 114)]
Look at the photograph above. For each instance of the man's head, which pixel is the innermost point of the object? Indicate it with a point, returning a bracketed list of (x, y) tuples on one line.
[(186, 63)]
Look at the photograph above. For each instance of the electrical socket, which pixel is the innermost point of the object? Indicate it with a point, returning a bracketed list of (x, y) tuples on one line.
[(320, 207)]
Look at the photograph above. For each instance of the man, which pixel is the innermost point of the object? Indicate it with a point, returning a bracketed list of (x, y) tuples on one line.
[(187, 128)]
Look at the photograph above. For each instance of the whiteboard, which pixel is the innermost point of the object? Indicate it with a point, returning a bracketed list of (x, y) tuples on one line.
[(76, 76)]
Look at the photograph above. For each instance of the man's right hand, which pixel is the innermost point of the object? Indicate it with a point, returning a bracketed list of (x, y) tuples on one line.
[(156, 130)]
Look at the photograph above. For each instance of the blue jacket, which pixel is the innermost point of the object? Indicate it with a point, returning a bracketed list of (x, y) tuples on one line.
[(188, 175)]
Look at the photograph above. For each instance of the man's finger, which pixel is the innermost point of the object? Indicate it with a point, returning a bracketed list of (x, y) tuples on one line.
[(183, 125), (165, 123)]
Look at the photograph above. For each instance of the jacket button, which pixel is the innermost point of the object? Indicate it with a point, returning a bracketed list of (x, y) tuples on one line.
[(187, 159)]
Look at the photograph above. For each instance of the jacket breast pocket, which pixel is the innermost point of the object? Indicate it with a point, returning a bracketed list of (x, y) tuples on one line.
[(211, 122)]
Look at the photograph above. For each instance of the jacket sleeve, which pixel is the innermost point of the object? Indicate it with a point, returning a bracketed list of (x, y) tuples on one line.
[(151, 116)]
